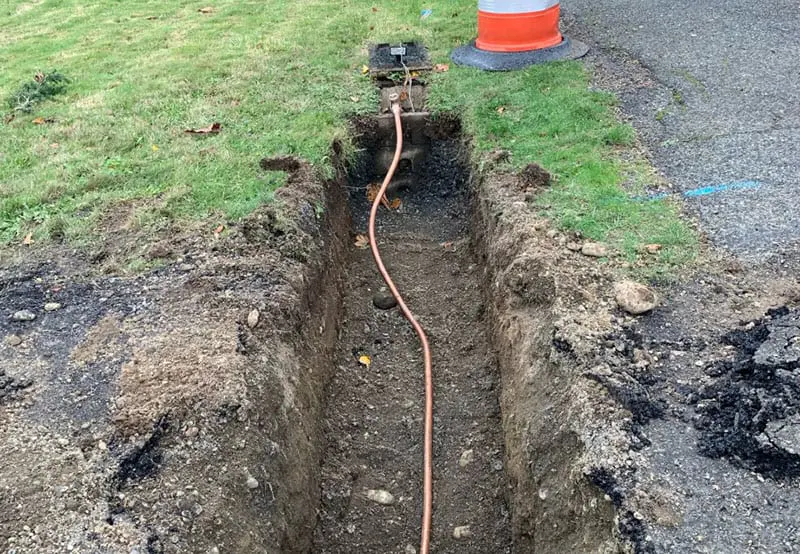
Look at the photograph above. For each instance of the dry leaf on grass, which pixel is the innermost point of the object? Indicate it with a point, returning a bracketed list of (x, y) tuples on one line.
[(364, 69), (362, 241), (652, 248), (501, 109), (28, 240), (42, 120), (441, 67), (211, 129), (219, 229), (207, 9)]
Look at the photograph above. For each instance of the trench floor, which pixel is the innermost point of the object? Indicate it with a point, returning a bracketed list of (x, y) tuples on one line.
[(374, 414)]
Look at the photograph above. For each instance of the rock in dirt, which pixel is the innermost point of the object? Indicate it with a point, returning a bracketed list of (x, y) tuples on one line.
[(252, 482), (467, 457), (383, 300), (52, 306), (462, 532), (381, 496), (634, 297), (783, 434), (573, 246), (23, 315), (410, 549), (252, 318), (594, 249), (13, 340)]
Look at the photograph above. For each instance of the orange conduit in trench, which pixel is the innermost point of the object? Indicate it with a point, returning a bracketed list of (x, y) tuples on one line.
[(427, 500)]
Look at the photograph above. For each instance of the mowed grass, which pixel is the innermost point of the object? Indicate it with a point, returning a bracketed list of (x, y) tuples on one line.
[(281, 78)]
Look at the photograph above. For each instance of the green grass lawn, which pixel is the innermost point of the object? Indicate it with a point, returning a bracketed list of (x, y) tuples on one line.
[(281, 78)]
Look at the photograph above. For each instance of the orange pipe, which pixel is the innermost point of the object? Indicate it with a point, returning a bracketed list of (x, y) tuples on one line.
[(427, 487)]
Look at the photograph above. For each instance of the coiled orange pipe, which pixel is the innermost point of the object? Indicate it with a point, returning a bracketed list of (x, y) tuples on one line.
[(427, 488)]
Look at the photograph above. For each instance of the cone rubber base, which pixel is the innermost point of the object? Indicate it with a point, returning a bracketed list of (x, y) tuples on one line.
[(508, 61)]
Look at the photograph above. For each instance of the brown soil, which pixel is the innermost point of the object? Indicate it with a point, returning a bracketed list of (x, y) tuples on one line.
[(374, 416)]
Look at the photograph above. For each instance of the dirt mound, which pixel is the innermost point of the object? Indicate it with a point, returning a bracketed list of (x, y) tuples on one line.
[(750, 413)]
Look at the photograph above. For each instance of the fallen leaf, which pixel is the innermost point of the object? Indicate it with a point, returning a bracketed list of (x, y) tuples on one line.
[(364, 360), (39, 77), (151, 17), (54, 145), (441, 67), (207, 9), (374, 9), (652, 248), (372, 194), (219, 229), (154, 148), (28, 240), (395, 204), (354, 98), (38, 121), (446, 245), (211, 129), (414, 74), (364, 69), (501, 109), (362, 241)]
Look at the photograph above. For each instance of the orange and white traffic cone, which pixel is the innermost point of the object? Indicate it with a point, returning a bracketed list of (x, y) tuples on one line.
[(513, 34)]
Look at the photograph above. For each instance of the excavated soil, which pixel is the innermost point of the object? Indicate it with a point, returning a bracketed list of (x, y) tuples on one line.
[(373, 423)]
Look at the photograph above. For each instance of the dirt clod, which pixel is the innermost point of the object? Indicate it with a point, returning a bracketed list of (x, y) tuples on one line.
[(52, 306), (534, 176)]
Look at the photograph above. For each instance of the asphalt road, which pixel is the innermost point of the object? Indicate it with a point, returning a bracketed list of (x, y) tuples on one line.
[(718, 103)]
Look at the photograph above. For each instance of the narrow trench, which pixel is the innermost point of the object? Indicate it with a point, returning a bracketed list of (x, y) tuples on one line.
[(373, 421)]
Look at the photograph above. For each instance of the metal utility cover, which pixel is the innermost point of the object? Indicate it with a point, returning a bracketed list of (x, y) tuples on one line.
[(387, 58)]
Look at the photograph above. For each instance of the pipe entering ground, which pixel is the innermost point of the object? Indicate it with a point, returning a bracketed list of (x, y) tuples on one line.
[(427, 507)]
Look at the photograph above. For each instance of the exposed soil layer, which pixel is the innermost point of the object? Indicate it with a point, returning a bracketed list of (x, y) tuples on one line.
[(178, 410), (374, 417)]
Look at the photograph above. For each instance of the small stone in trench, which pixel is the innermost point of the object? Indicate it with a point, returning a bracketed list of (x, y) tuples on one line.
[(462, 532), (574, 246), (23, 315), (467, 457), (252, 318), (594, 249), (410, 549), (384, 300), (634, 297), (381, 496), (52, 306), (252, 482), (13, 340)]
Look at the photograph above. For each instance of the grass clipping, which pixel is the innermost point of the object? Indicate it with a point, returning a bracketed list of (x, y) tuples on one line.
[(43, 86)]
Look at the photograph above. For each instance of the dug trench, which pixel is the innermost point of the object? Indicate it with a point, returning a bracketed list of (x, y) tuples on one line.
[(246, 396)]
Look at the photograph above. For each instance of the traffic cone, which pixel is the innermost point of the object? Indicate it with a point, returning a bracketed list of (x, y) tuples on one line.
[(513, 34)]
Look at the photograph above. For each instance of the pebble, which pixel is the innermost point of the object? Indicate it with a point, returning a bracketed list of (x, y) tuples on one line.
[(462, 532), (52, 306), (383, 300), (252, 318), (381, 496), (467, 457), (13, 340), (594, 249), (410, 549), (634, 297), (23, 315), (574, 246), (252, 482)]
